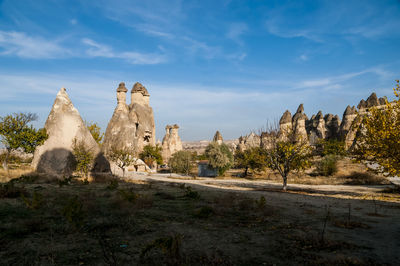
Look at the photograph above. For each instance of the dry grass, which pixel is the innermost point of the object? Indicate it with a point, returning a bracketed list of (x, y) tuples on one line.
[(15, 171), (108, 223), (349, 173)]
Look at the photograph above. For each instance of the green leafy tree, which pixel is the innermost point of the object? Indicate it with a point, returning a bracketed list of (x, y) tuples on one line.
[(181, 162), (123, 158), (84, 157), (330, 147), (219, 156), (151, 154), (95, 130), (253, 158), (378, 139), (15, 133), (287, 154)]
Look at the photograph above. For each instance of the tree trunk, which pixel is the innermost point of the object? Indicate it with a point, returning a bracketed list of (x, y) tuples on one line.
[(246, 171), (285, 183), (5, 161), (123, 172)]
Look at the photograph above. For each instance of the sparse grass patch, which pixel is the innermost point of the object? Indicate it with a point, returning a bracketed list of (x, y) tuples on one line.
[(204, 212), (359, 178), (10, 190), (190, 193)]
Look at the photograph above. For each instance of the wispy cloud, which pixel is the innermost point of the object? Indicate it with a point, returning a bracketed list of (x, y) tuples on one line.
[(153, 31), (332, 18), (100, 50), (235, 31), (195, 47), (22, 45), (303, 57)]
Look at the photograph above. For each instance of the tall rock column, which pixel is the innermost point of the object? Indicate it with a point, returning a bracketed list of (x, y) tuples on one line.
[(299, 123), (131, 126), (171, 142)]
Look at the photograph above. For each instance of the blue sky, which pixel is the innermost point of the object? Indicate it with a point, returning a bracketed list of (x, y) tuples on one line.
[(208, 65)]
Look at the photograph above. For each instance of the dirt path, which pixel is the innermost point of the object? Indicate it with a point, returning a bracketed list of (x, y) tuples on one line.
[(342, 191)]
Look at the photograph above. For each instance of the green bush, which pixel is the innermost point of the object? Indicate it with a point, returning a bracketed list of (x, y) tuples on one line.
[(74, 213), (189, 193), (9, 190), (128, 195), (330, 147), (328, 165), (204, 212), (113, 184), (181, 162), (35, 202)]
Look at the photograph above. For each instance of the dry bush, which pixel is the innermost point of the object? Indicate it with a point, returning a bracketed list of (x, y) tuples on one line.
[(364, 178)]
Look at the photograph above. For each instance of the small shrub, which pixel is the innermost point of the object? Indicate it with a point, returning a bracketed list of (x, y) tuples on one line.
[(261, 203), (165, 195), (204, 212), (65, 182), (358, 178), (128, 195), (246, 204), (9, 190), (170, 246), (35, 203), (328, 165), (74, 213), (330, 147), (189, 193), (84, 157), (27, 179), (113, 184)]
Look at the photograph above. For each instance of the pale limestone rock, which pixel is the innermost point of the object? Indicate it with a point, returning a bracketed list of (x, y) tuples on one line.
[(171, 142), (64, 124), (332, 124), (299, 123), (252, 140), (218, 138), (348, 117), (285, 123), (131, 126)]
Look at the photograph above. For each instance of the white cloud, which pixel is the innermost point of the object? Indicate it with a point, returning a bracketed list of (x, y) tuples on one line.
[(22, 45), (303, 57), (101, 50), (236, 30), (73, 21), (152, 30)]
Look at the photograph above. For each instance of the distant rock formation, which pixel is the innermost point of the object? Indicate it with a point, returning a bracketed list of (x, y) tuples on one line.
[(64, 125), (218, 138), (171, 142), (249, 141), (324, 127), (131, 126), (363, 109)]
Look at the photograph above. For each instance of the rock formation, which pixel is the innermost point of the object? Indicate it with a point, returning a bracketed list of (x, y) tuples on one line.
[(285, 123), (64, 125), (252, 140), (299, 123), (363, 109), (171, 142), (218, 138), (131, 126), (348, 117), (329, 126)]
